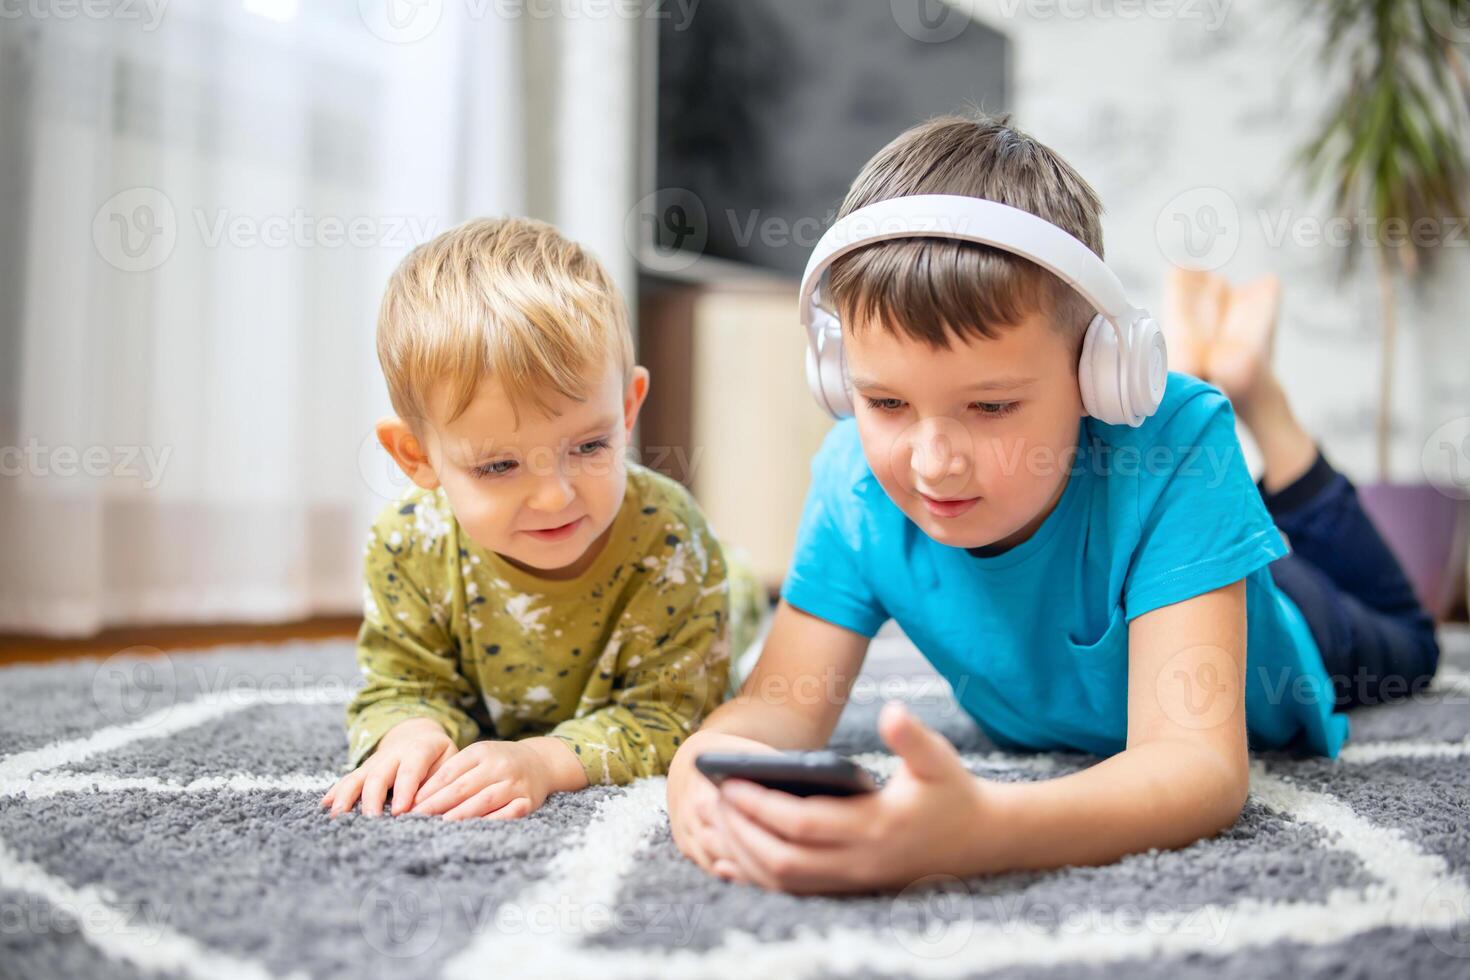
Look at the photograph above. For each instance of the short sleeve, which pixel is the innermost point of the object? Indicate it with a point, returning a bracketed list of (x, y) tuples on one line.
[(1202, 524), (825, 578)]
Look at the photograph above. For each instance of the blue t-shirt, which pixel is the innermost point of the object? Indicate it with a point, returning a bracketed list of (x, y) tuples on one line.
[(1035, 640)]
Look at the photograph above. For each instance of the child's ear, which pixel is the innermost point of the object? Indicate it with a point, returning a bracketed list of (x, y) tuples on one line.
[(407, 451), (633, 397)]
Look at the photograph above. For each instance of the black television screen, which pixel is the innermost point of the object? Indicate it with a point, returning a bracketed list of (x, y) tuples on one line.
[(764, 110)]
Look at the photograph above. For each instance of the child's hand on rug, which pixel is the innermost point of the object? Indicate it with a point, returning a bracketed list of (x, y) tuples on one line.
[(408, 753), (929, 818), (501, 779), (692, 799)]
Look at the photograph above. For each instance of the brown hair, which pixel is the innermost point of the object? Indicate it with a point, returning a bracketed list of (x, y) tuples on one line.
[(934, 290), (509, 298)]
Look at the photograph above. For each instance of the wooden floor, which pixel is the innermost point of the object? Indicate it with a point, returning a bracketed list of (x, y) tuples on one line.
[(16, 649)]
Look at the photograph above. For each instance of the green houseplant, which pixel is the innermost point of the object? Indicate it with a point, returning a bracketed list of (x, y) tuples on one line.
[(1392, 151)]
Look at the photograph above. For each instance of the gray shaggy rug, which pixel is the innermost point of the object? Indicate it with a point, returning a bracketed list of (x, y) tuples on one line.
[(158, 817)]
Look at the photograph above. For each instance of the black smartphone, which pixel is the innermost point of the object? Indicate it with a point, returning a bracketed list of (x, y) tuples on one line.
[(797, 773)]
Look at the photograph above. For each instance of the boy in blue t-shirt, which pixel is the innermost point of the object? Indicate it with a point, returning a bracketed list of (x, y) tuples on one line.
[(1120, 591)]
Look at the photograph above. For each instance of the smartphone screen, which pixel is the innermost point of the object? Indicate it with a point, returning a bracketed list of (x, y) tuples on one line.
[(798, 773)]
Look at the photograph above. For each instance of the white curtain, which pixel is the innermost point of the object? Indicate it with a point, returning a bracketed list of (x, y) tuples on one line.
[(197, 216)]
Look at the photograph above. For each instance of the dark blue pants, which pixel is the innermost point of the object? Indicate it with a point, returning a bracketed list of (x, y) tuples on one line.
[(1376, 640)]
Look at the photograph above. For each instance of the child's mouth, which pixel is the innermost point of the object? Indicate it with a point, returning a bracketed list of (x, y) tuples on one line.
[(557, 533), (948, 508)]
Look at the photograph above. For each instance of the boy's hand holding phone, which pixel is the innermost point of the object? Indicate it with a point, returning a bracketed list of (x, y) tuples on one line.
[(692, 799), (932, 816), (407, 754)]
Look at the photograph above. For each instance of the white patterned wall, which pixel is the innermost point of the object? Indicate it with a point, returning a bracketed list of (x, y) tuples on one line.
[(1152, 98)]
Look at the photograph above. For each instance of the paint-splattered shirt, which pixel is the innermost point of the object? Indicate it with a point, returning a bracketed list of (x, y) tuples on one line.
[(621, 662)]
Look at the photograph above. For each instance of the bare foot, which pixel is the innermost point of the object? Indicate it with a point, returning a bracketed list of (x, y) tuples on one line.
[(1241, 352), (1194, 306)]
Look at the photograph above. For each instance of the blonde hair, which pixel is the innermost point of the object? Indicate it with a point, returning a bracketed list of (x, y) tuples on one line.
[(932, 290), (508, 298)]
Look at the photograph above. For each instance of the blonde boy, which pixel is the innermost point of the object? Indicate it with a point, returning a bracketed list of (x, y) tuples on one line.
[(540, 613)]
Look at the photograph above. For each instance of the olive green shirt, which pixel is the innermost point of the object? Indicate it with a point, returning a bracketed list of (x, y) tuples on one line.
[(621, 662)]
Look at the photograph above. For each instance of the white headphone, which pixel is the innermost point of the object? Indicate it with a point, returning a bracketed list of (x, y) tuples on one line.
[(1122, 370)]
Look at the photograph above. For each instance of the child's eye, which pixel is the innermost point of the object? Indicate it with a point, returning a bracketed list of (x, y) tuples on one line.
[(885, 404), (995, 409), (498, 468), (589, 448)]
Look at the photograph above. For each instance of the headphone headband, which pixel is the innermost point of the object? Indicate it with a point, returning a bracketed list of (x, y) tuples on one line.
[(969, 219)]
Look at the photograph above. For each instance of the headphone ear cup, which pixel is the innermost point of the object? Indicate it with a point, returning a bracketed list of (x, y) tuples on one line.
[(826, 367), (835, 377), (814, 378), (1151, 370), (1097, 373), (846, 408)]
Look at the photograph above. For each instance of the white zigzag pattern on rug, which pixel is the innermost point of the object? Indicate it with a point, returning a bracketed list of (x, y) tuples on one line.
[(1413, 889)]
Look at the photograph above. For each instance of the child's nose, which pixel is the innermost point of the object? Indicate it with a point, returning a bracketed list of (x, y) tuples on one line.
[(553, 493), (936, 458)]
